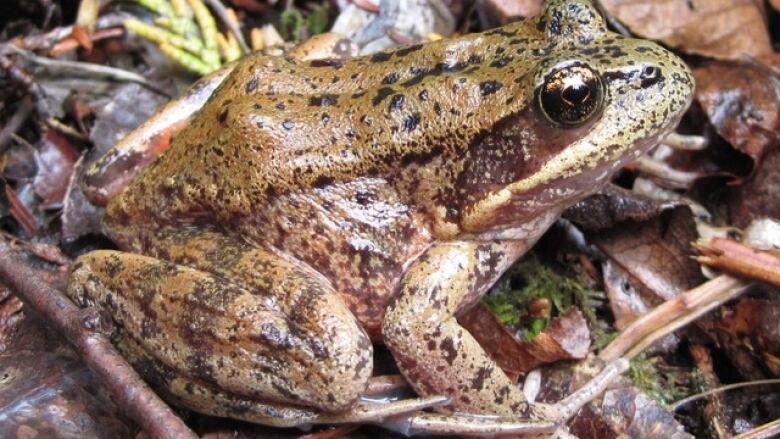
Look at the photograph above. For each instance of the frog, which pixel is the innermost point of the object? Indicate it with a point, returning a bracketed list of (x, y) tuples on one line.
[(311, 209)]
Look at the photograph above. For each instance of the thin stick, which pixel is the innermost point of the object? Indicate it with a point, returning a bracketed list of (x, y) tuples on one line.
[(721, 389), (672, 315), (16, 121), (84, 69), (77, 325), (221, 11), (763, 432)]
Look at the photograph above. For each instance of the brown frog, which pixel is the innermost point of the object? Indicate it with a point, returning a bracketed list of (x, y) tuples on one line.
[(310, 208)]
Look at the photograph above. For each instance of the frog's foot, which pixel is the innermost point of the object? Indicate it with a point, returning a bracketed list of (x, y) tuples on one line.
[(286, 338), (542, 418)]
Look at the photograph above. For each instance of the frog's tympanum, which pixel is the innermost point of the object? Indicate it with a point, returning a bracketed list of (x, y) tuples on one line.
[(311, 208)]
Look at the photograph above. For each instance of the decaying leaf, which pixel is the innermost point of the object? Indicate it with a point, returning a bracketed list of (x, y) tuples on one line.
[(760, 195), (55, 159), (742, 102), (626, 412), (721, 29), (753, 324), (656, 253), (47, 392), (566, 338)]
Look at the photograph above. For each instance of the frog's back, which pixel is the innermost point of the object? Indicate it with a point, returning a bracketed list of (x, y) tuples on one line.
[(276, 126)]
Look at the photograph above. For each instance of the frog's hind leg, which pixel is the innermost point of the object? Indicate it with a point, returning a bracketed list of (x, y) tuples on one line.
[(202, 397), (288, 338)]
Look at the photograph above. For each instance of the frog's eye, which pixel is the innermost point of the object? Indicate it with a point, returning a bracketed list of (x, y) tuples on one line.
[(570, 95)]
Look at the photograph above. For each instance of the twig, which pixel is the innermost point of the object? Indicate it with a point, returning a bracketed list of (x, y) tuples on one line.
[(737, 258), (49, 39), (19, 76), (721, 389), (222, 13), (686, 142), (16, 121), (765, 431), (666, 175), (77, 325), (672, 315), (83, 69)]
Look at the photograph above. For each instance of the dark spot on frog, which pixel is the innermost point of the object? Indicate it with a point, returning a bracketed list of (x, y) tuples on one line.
[(380, 57), (222, 116), (325, 118), (325, 100), (287, 394), (280, 106), (421, 158), (391, 78), (407, 50), (410, 122), (423, 95), (437, 108), (499, 32), (555, 24), (353, 76), (450, 353), (199, 366), (381, 94), (217, 151), (489, 87), (501, 62), (251, 86), (396, 103), (478, 383), (189, 388), (288, 124), (327, 62)]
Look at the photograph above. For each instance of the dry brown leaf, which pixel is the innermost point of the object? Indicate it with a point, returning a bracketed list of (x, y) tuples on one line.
[(656, 254), (760, 196), (566, 338), (753, 324), (742, 102), (55, 159), (721, 29)]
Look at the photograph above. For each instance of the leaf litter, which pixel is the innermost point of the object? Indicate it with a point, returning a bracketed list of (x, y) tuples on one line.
[(617, 255)]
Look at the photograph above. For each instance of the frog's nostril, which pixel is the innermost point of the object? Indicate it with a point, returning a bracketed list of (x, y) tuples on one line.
[(650, 76), (650, 72)]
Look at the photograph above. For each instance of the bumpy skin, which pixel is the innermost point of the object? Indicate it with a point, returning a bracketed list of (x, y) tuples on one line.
[(309, 202)]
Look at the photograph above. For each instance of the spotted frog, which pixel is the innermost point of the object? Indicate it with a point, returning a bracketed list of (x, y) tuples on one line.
[(312, 208)]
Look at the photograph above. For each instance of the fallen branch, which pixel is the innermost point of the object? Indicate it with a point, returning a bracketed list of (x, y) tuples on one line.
[(80, 328), (673, 315), (736, 258)]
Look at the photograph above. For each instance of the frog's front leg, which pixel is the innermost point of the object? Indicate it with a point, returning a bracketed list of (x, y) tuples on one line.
[(438, 356), (433, 351)]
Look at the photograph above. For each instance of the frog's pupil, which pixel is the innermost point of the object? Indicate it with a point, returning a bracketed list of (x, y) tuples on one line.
[(576, 94), (570, 95)]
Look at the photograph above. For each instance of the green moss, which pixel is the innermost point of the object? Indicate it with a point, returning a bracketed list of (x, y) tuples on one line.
[(530, 280), (663, 383), (297, 26)]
